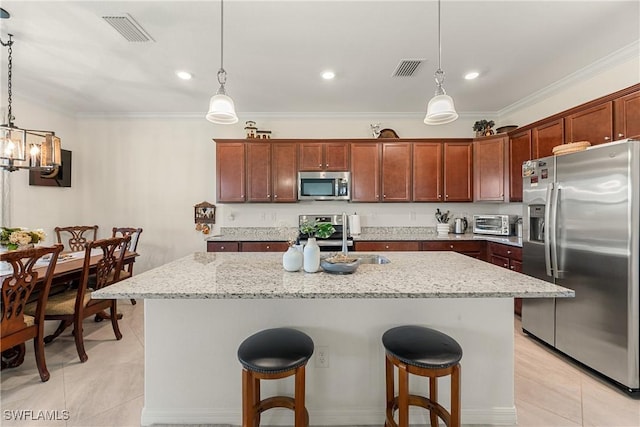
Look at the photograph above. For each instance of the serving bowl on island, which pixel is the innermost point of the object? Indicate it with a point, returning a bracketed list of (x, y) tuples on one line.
[(339, 264)]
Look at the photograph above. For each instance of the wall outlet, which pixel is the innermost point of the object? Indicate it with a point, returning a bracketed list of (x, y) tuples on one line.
[(322, 356)]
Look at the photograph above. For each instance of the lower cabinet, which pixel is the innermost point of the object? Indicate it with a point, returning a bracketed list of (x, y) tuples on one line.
[(508, 257), (247, 246), (386, 246), (474, 249), (223, 247)]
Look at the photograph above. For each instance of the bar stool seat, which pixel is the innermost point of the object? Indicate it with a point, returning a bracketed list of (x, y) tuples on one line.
[(425, 352), (274, 354)]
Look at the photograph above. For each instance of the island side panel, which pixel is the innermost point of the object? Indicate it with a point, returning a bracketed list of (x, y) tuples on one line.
[(192, 374)]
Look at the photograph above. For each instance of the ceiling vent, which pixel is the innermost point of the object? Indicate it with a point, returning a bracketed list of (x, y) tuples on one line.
[(407, 67), (128, 28)]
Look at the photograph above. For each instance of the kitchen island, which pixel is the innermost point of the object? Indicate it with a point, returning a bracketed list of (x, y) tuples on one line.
[(199, 308)]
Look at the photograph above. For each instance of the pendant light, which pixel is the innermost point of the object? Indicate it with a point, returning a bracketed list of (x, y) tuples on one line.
[(25, 148), (221, 108), (440, 109)]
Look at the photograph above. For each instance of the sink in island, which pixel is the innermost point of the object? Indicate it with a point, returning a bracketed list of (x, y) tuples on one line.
[(199, 308)]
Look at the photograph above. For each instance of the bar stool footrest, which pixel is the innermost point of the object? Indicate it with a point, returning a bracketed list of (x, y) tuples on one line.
[(279, 402), (421, 401)]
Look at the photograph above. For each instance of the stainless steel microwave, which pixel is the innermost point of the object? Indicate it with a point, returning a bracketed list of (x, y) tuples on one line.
[(498, 225), (324, 185)]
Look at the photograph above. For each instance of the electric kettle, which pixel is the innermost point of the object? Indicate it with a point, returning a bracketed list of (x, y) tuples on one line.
[(460, 225)]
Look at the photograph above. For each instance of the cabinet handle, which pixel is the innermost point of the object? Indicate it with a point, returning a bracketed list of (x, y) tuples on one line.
[(508, 252), (446, 196), (275, 196), (222, 248), (620, 135), (506, 265), (386, 246), (384, 196), (451, 246), (606, 138), (512, 267), (268, 195), (268, 247), (439, 196), (327, 165), (320, 165)]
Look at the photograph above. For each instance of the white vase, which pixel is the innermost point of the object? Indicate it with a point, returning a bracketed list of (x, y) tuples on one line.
[(292, 259), (311, 256)]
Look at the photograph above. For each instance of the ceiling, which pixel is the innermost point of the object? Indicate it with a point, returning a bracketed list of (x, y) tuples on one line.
[(65, 55)]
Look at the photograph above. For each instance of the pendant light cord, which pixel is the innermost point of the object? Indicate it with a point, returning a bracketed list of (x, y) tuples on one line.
[(222, 74), (439, 42)]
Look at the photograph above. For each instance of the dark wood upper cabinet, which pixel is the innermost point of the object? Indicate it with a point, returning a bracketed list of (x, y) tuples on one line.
[(546, 136), (230, 172), (427, 172), (324, 156), (490, 161), (258, 172), (284, 172), (519, 152), (365, 172), (396, 172), (458, 171), (626, 110), (593, 124)]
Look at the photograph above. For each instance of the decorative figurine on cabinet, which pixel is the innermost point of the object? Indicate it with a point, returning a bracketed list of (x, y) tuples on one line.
[(204, 217), (250, 129)]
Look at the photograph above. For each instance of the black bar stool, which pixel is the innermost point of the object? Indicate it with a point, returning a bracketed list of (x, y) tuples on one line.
[(428, 353), (268, 355)]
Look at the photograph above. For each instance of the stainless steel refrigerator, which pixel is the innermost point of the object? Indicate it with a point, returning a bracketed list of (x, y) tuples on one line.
[(581, 231)]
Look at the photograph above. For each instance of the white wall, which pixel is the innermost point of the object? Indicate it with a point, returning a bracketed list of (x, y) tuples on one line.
[(151, 171)]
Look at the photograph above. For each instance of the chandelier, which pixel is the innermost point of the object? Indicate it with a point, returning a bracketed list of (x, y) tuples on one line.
[(25, 148)]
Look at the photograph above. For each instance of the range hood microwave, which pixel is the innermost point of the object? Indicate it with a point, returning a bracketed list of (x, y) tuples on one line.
[(324, 185)]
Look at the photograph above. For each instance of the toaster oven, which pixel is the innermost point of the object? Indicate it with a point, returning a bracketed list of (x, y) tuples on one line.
[(497, 225)]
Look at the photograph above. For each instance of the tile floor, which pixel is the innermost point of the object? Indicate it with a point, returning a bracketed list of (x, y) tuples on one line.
[(107, 390)]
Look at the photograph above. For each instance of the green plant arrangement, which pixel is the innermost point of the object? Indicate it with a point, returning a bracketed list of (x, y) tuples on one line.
[(317, 229), (13, 238), (483, 127)]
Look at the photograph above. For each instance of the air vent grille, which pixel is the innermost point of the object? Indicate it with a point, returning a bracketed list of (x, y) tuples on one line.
[(128, 28), (407, 67)]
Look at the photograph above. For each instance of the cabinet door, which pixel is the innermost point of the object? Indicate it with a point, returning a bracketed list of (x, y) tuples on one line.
[(396, 172), (230, 172), (264, 246), (258, 172), (311, 158), (519, 152), (222, 246), (594, 124), (627, 116), (545, 137), (474, 249), (336, 156), (489, 161), (427, 172), (458, 171), (499, 260), (365, 172), (284, 172), (387, 246)]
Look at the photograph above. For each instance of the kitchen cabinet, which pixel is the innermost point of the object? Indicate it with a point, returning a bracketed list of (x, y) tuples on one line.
[(264, 246), (626, 111), (223, 247), (427, 172), (474, 249), (593, 124), (230, 172), (365, 172), (457, 171), (519, 152), (396, 172), (546, 136), (271, 172), (508, 257), (490, 160), (324, 156), (392, 245)]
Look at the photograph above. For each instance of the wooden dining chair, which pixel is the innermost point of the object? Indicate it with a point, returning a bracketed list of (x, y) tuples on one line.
[(133, 247), (17, 326), (72, 306), (75, 237)]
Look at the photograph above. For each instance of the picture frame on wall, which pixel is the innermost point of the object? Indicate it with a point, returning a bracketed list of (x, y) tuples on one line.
[(59, 178)]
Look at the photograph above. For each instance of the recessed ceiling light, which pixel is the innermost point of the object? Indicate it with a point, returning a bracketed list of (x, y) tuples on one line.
[(183, 75), (472, 75), (328, 75)]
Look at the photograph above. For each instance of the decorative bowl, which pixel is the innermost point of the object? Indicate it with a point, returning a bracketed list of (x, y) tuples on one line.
[(508, 128), (339, 267)]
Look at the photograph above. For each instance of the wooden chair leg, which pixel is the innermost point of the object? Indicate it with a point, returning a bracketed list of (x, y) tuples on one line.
[(403, 396), (433, 396), (38, 345), (114, 319), (247, 399), (455, 396), (61, 327), (78, 337), (300, 414)]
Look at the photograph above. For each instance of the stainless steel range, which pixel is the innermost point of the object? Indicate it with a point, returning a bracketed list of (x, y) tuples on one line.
[(332, 243)]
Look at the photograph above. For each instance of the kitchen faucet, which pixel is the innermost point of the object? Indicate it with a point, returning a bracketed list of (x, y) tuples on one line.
[(344, 233)]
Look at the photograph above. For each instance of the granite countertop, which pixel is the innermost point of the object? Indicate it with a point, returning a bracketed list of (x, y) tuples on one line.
[(368, 234), (254, 275)]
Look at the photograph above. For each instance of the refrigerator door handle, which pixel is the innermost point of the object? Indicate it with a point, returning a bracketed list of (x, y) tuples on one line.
[(553, 231), (547, 237)]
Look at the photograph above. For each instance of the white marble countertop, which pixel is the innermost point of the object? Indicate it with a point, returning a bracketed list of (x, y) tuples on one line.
[(254, 275)]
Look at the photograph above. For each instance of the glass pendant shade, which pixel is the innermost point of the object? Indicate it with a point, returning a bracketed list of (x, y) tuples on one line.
[(44, 150), (222, 110), (440, 110), (13, 144)]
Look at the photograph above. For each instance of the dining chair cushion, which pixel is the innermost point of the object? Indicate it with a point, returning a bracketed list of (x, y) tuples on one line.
[(29, 320), (59, 304)]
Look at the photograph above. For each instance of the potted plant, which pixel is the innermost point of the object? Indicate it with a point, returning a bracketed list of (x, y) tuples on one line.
[(483, 127), (313, 229)]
